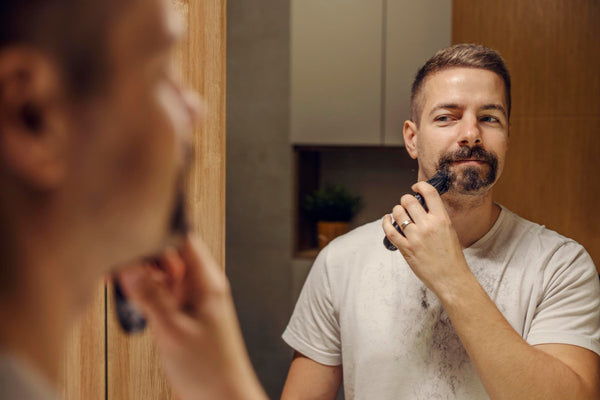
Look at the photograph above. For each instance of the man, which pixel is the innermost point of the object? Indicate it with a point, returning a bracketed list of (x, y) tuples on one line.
[(480, 303), (93, 136)]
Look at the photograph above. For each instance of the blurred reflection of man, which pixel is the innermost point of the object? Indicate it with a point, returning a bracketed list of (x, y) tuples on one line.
[(480, 303), (93, 136)]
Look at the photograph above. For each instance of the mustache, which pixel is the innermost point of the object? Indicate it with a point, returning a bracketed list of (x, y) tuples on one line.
[(468, 153)]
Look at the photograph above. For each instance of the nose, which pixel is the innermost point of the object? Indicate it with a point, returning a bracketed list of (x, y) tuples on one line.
[(470, 133)]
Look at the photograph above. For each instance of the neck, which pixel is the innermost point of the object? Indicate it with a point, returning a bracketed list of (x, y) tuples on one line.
[(43, 286), (38, 312), (472, 216)]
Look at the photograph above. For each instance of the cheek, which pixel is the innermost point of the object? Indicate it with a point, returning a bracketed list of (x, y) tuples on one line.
[(499, 145), (147, 166), (431, 146)]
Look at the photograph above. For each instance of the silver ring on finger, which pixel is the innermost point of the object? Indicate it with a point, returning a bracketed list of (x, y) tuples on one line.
[(405, 224)]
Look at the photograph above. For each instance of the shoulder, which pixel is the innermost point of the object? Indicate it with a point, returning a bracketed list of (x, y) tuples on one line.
[(355, 247), (364, 238), (19, 380), (535, 241), (532, 234)]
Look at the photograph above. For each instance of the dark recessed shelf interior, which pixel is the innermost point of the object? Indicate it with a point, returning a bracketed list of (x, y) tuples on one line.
[(380, 175)]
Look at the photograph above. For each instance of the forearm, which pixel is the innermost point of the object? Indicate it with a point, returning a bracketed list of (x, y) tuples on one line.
[(508, 366)]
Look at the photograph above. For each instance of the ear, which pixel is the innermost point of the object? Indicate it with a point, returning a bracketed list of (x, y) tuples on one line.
[(33, 138), (410, 138)]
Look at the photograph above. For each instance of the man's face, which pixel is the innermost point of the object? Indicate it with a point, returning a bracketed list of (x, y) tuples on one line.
[(136, 136), (463, 128)]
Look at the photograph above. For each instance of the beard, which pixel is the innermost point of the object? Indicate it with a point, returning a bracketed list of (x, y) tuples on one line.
[(471, 180), (179, 224)]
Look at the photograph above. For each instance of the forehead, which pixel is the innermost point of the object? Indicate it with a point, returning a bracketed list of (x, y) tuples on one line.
[(143, 28), (467, 86)]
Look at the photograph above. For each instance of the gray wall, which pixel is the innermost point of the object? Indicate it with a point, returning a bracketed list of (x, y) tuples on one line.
[(259, 188), (264, 278)]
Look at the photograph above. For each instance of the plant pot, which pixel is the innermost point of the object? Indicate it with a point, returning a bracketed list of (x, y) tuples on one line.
[(327, 231)]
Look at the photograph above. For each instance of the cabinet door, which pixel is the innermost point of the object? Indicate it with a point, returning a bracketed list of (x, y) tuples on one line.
[(336, 63), (415, 30), (83, 362)]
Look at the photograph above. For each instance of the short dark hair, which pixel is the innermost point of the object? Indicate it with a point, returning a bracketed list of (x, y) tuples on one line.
[(74, 32), (460, 55)]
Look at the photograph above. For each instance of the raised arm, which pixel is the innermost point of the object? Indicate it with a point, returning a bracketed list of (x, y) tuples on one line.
[(507, 365), (189, 308)]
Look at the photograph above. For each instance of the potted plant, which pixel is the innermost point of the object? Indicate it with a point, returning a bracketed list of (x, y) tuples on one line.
[(332, 207)]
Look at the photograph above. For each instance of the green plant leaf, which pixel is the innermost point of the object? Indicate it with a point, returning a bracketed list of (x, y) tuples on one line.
[(332, 203)]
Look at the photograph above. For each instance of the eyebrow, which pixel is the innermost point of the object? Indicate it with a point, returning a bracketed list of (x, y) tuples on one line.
[(449, 106), (454, 106), (494, 107)]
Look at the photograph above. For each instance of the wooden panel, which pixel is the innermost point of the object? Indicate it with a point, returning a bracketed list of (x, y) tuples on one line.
[(551, 47), (336, 49), (206, 72), (134, 371), (414, 33), (82, 375), (552, 50), (550, 180)]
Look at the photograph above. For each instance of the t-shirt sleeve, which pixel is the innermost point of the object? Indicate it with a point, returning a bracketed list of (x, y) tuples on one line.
[(569, 311), (313, 329)]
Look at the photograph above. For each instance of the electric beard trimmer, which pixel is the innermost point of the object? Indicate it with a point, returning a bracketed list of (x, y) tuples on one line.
[(441, 182), (128, 315)]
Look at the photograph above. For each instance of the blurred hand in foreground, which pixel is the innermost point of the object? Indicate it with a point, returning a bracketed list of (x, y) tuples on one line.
[(187, 302)]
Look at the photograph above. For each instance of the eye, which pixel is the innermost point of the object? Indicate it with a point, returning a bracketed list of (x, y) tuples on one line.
[(489, 118), (443, 118)]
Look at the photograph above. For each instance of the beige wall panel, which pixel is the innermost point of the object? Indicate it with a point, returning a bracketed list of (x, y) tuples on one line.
[(552, 50), (415, 31), (336, 60)]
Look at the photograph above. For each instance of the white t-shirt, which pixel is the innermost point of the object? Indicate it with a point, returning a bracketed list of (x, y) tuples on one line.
[(19, 380), (363, 307)]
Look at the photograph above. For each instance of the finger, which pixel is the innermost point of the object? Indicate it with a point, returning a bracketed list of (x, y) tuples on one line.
[(147, 288), (174, 266), (203, 273), (413, 208), (400, 216), (432, 197), (392, 234)]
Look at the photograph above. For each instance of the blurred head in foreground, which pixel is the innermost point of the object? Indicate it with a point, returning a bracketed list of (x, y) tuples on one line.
[(94, 137)]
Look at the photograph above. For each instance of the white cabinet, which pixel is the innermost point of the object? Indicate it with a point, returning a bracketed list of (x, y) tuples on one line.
[(415, 30), (336, 69), (352, 63)]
